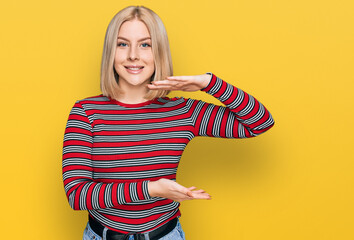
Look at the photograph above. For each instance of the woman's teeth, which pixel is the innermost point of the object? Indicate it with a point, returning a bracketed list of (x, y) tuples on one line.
[(134, 68)]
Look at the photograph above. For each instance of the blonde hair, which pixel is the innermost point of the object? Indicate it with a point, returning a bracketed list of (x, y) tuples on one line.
[(160, 48)]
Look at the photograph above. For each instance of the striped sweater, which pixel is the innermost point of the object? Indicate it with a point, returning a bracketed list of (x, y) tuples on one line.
[(112, 150)]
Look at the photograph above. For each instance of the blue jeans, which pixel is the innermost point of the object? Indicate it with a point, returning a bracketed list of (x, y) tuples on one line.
[(176, 234)]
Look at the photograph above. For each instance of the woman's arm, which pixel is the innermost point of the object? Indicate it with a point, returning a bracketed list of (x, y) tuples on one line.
[(243, 117), (82, 191), (167, 188)]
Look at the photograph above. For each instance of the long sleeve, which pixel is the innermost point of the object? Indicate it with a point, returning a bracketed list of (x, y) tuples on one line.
[(243, 117), (82, 191)]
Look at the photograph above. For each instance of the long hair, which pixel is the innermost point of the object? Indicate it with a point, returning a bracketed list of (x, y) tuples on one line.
[(160, 49)]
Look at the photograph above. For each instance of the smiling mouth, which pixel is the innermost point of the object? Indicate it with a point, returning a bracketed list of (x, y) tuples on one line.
[(134, 68)]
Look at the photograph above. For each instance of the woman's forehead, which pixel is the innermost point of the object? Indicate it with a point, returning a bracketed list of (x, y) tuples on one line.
[(135, 29)]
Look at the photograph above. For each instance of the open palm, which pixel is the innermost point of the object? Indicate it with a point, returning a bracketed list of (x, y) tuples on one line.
[(182, 83)]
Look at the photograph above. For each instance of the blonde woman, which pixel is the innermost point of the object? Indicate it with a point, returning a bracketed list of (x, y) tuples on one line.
[(122, 148)]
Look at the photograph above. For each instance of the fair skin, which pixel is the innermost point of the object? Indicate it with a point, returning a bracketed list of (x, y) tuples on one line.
[(134, 63)]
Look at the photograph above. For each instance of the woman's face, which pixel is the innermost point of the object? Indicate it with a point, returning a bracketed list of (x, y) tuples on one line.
[(134, 60)]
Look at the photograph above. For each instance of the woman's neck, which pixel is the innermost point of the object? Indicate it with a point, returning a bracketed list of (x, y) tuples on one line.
[(133, 94)]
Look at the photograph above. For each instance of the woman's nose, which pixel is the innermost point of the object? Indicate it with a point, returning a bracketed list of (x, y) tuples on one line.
[(133, 53)]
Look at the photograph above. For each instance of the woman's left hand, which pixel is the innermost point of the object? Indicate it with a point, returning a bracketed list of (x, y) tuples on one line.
[(182, 83)]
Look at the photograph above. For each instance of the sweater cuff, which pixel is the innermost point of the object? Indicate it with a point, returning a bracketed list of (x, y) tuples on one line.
[(216, 87), (223, 91), (133, 192), (145, 189)]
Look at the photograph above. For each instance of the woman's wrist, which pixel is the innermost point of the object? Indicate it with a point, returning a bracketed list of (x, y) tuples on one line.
[(152, 188), (207, 79)]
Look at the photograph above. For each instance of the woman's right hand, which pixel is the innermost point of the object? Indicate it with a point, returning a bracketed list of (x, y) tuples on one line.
[(166, 188)]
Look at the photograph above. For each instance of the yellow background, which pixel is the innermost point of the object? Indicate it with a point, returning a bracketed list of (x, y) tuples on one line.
[(296, 57)]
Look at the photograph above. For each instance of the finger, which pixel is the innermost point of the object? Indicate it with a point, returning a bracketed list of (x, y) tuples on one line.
[(180, 77), (186, 191), (165, 88), (153, 87), (199, 191), (168, 82), (182, 197), (160, 82), (169, 86), (181, 189), (190, 194), (201, 196)]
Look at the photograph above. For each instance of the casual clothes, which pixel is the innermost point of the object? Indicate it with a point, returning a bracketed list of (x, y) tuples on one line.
[(113, 149)]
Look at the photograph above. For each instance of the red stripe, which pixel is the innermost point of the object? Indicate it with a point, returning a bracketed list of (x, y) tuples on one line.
[(136, 168), (141, 132), (223, 124), (77, 143), (140, 190), (133, 220), (115, 193), (142, 142), (89, 196), (136, 155), (76, 167), (126, 193), (158, 203), (139, 121), (211, 122), (109, 180), (76, 155), (78, 130), (222, 89), (77, 196), (235, 129), (101, 196), (79, 118)]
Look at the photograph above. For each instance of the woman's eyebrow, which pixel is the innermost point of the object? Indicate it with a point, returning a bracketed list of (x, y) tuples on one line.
[(142, 39)]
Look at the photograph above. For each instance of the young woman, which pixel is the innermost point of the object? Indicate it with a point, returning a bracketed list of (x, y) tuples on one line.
[(122, 148)]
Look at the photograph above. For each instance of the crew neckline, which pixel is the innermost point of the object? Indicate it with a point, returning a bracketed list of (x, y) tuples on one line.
[(133, 105)]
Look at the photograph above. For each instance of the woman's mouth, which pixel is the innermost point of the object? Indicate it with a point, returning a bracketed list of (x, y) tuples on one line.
[(134, 69)]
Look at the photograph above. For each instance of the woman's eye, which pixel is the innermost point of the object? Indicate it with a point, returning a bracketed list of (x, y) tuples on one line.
[(121, 44), (145, 45)]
